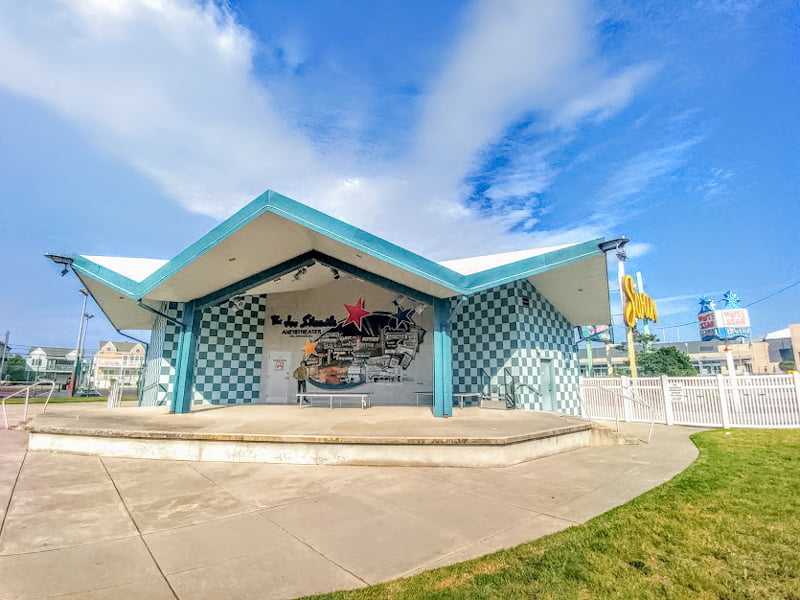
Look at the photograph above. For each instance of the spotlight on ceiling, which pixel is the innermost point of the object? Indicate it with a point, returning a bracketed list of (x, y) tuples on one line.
[(300, 272), (335, 273)]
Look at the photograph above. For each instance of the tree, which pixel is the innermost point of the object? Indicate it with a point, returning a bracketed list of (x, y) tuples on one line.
[(642, 340), (787, 365), (15, 368), (665, 361)]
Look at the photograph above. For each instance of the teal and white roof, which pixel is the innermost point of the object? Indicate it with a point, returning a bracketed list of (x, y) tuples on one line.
[(259, 248)]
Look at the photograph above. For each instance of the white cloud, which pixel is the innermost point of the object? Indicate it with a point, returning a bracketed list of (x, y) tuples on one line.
[(643, 169), (169, 87), (716, 184)]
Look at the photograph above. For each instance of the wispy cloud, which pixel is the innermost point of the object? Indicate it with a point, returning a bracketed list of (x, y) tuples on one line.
[(642, 170), (717, 183), (170, 88)]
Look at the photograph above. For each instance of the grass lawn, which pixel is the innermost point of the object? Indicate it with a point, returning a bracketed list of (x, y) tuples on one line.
[(17, 400), (726, 528)]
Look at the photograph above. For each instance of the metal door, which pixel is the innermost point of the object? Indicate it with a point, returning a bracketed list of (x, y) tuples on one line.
[(547, 384), (279, 377)]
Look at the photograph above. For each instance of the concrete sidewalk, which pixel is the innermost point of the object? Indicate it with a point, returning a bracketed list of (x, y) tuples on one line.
[(89, 527)]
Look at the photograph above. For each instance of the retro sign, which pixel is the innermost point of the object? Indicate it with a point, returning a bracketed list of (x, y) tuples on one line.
[(596, 333), (637, 305), (728, 323)]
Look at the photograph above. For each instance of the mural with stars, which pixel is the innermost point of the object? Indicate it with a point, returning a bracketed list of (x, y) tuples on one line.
[(364, 347)]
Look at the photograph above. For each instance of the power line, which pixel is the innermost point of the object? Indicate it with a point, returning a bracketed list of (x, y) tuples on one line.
[(783, 289)]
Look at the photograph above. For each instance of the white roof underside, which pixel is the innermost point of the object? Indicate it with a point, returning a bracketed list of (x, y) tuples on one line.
[(137, 269), (579, 290), (468, 266)]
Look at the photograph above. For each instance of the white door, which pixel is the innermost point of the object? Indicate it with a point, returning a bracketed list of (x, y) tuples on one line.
[(279, 377)]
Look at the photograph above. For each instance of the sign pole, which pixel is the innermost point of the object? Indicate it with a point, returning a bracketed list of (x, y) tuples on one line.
[(632, 353), (628, 328)]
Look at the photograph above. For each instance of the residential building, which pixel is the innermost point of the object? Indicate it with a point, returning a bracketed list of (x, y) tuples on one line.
[(118, 361), (55, 364)]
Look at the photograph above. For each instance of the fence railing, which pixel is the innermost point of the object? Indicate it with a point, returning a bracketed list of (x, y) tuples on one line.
[(720, 401)]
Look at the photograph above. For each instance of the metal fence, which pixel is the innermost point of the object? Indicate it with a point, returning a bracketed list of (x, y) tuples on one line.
[(720, 401)]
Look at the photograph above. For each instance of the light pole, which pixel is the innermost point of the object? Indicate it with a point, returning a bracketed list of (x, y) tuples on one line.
[(73, 385), (86, 316)]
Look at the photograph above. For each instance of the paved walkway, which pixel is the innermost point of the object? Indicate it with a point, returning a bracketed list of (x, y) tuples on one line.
[(90, 528)]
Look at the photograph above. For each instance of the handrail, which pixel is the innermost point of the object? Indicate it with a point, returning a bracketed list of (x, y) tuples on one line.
[(531, 388), (148, 387), (115, 395), (624, 397), (512, 395), (27, 390)]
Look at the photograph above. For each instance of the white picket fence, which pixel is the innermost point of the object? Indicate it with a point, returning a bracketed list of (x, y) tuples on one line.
[(720, 401)]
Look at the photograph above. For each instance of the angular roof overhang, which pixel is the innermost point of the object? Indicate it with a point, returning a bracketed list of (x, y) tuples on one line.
[(261, 246)]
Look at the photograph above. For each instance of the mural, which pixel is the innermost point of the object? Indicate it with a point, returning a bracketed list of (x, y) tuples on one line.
[(364, 347)]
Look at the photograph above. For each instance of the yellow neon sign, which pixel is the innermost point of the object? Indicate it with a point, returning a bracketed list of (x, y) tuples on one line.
[(637, 305)]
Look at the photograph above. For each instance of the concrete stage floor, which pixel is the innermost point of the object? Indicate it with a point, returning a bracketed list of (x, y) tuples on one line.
[(381, 435), (258, 422)]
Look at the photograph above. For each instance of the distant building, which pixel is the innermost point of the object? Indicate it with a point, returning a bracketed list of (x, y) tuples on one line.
[(784, 344), (708, 358), (55, 364), (118, 361)]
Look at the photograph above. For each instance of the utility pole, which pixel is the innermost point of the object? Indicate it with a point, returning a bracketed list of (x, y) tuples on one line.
[(5, 351)]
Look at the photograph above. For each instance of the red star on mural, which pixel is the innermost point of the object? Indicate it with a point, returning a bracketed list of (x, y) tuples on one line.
[(356, 313)]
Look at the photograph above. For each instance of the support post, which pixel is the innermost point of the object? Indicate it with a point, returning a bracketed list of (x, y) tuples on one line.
[(627, 394), (184, 364), (723, 403), (796, 381), (668, 414), (589, 359), (442, 359)]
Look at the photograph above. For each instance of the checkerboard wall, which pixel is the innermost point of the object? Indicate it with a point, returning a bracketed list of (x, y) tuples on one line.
[(153, 395), (493, 330), (228, 353)]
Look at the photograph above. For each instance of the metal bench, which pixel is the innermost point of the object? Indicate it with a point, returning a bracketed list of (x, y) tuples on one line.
[(364, 398)]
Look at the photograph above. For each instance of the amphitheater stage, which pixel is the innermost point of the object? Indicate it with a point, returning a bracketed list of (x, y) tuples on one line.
[(380, 435)]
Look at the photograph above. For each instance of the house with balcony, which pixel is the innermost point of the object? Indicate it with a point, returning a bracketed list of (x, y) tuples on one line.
[(118, 361), (55, 364)]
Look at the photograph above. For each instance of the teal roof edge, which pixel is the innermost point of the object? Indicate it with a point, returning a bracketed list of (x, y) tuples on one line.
[(344, 233)]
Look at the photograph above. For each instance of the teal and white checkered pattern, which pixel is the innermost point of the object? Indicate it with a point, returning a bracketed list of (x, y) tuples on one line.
[(229, 352), (228, 356), (495, 330)]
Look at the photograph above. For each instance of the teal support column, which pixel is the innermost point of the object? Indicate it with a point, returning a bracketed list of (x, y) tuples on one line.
[(184, 364), (442, 359)]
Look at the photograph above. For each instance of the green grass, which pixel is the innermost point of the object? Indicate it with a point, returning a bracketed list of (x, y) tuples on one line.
[(16, 400), (726, 528)]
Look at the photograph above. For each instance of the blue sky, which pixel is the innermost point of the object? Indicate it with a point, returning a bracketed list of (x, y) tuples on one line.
[(131, 128)]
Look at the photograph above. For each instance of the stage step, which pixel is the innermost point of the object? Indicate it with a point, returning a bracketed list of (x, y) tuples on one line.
[(494, 403)]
